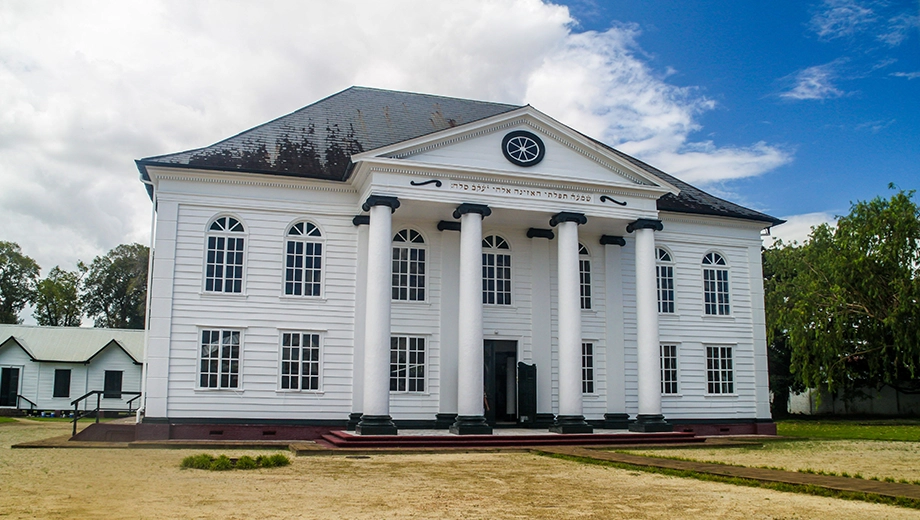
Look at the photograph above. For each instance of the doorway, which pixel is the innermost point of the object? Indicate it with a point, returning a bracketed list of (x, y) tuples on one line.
[(9, 386), (500, 382)]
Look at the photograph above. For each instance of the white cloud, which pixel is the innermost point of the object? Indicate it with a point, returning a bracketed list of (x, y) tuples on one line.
[(815, 83), (90, 86), (798, 227), (908, 75), (842, 18)]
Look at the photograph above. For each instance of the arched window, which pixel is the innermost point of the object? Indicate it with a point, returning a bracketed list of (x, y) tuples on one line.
[(303, 262), (224, 260), (584, 275), (496, 271), (664, 268), (715, 285), (409, 257)]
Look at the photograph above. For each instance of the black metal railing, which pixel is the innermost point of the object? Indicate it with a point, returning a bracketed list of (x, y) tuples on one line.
[(77, 414), (26, 399)]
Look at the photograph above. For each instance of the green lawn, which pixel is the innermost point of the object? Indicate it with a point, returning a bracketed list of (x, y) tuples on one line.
[(7, 419), (868, 429)]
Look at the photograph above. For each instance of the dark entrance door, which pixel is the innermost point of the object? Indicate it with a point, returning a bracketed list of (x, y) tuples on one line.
[(9, 386), (112, 384), (500, 381)]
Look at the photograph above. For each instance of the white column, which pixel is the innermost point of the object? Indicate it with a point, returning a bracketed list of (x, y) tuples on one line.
[(570, 418), (470, 411), (376, 403), (569, 298), (649, 356)]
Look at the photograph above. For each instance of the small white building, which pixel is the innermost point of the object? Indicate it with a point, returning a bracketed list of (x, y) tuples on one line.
[(46, 368), (407, 260)]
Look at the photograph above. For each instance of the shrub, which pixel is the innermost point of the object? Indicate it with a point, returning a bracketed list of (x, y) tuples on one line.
[(246, 462), (202, 461), (221, 463)]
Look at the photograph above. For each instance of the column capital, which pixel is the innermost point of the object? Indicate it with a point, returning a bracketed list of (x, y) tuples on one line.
[(381, 200), (565, 216), (611, 240), (467, 207), (540, 233), (645, 223)]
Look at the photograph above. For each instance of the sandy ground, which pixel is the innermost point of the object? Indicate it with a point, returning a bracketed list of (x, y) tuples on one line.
[(110, 483), (893, 459)]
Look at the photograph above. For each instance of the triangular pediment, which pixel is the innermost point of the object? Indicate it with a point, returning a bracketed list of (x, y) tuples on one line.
[(490, 145)]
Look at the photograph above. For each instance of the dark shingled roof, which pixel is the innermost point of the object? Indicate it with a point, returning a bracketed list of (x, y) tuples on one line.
[(318, 141)]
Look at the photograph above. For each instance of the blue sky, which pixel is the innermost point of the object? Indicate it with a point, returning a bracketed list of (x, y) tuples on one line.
[(794, 108), (835, 84)]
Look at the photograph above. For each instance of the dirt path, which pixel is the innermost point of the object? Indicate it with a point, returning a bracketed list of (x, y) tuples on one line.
[(110, 483)]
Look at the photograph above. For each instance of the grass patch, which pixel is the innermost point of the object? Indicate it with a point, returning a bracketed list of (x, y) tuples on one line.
[(777, 486), (875, 430), (6, 420), (225, 463)]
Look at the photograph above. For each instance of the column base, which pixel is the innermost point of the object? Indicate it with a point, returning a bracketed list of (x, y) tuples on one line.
[(616, 421), (544, 420), (651, 424), (375, 425), (571, 424), (471, 425), (353, 419), (443, 421)]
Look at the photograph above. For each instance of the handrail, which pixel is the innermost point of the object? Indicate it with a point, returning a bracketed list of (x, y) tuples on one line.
[(99, 394), (26, 399)]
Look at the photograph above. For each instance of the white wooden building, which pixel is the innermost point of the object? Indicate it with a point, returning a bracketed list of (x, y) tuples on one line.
[(405, 260), (46, 368)]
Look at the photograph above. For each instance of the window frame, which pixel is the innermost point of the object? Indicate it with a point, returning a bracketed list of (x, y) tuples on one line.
[(300, 361), (675, 369), (226, 235), (54, 390), (720, 386), (662, 264), (495, 250), (304, 239), (220, 359), (585, 280), (718, 307), (588, 373), (394, 340), (409, 245)]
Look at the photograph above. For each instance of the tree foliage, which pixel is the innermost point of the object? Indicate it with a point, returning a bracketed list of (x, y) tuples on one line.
[(848, 301), (18, 275), (115, 287), (57, 299)]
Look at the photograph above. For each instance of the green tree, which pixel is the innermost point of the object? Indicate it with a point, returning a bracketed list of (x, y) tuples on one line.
[(848, 301), (780, 265), (115, 287), (18, 275), (57, 299)]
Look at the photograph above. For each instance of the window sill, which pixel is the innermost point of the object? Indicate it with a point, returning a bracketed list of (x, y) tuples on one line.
[(397, 394), (412, 303), (720, 395), (301, 392), (716, 317), (296, 298), (208, 390), (668, 316), (591, 397), (219, 295), (671, 396)]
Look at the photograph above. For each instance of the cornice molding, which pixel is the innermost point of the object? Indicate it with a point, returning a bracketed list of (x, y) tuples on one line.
[(250, 182)]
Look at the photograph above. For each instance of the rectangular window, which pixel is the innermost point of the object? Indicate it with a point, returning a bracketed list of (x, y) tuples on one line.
[(112, 385), (496, 279), (224, 269), (62, 382), (300, 361), (220, 359), (587, 368), (407, 364), (665, 288), (715, 292), (584, 273), (668, 369), (719, 373), (409, 274), (303, 268)]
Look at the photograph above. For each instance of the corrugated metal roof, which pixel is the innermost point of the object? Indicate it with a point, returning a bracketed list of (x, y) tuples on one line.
[(318, 141), (71, 344)]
